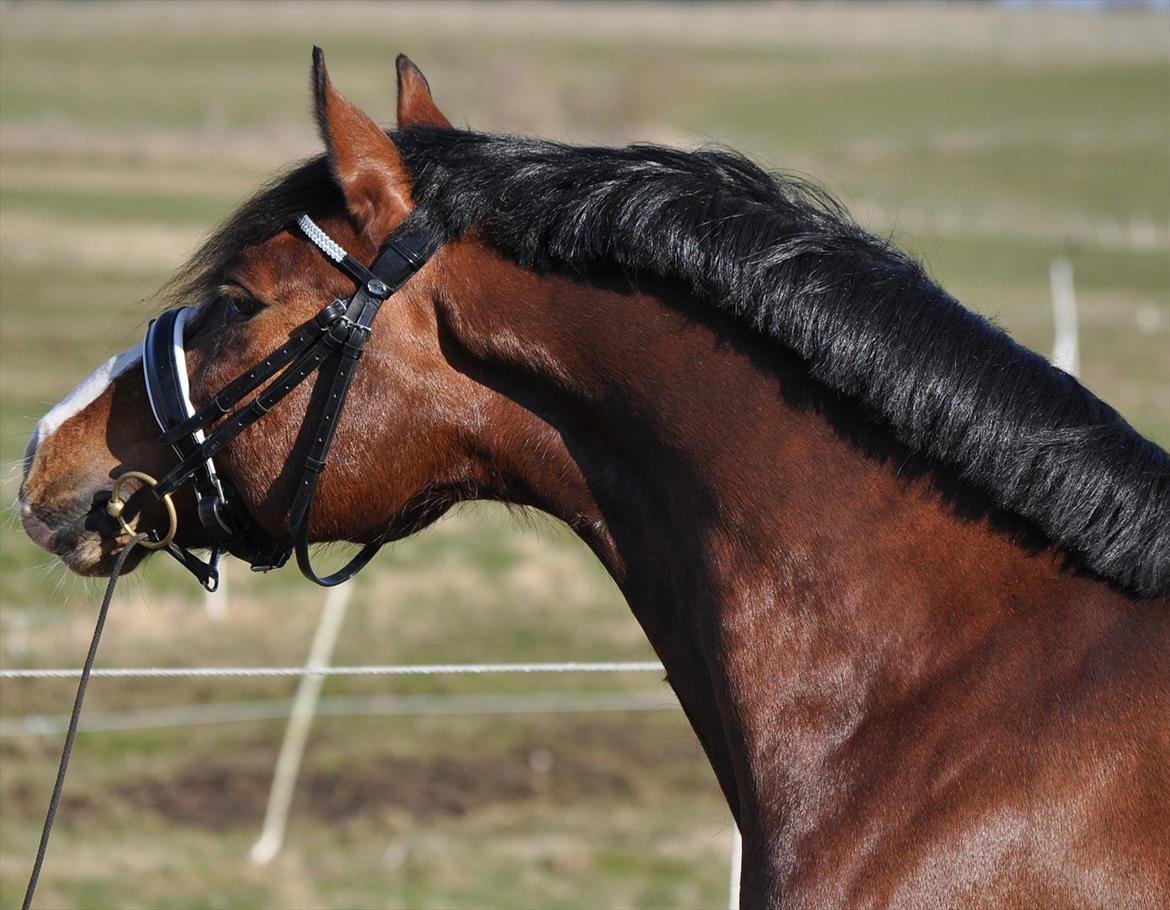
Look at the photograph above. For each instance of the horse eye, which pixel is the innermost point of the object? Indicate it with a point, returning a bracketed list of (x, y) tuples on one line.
[(246, 307)]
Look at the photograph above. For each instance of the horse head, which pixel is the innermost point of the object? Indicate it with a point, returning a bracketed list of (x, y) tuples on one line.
[(399, 458)]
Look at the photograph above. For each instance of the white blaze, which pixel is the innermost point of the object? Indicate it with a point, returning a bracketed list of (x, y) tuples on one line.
[(83, 394)]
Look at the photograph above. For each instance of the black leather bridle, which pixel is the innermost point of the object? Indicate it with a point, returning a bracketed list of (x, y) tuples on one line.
[(339, 331)]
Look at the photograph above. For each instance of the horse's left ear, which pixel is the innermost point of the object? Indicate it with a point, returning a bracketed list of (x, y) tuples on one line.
[(416, 107), (363, 159)]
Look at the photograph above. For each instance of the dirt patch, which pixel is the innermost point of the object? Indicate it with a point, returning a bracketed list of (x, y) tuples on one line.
[(25, 800), (218, 798), (600, 761)]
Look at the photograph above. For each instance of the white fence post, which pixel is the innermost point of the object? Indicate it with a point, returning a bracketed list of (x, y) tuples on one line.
[(296, 734), (736, 867), (1066, 346), (216, 602)]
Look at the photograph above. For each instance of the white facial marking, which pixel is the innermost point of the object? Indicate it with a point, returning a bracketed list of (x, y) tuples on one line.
[(82, 395)]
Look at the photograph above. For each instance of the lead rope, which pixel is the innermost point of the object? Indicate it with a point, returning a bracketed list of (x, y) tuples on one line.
[(75, 717)]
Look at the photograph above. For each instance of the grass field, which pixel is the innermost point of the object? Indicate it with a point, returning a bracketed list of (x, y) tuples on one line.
[(989, 142)]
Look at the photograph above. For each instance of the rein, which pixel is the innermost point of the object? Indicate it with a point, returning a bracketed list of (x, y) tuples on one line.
[(75, 716), (339, 331)]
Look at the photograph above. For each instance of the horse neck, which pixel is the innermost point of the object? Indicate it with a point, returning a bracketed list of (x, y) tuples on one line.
[(790, 581)]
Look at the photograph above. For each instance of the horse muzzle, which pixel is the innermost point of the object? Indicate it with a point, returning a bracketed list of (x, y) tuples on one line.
[(86, 540)]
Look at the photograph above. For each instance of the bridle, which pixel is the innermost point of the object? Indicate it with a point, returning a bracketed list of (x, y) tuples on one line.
[(339, 331)]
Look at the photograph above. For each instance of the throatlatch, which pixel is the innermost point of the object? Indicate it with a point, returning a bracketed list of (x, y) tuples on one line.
[(342, 328)]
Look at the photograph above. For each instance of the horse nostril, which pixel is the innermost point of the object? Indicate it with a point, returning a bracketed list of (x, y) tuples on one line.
[(40, 533)]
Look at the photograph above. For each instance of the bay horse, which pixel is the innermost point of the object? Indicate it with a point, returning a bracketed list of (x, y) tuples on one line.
[(910, 583)]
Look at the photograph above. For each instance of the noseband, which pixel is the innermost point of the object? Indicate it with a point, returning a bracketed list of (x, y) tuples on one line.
[(338, 332)]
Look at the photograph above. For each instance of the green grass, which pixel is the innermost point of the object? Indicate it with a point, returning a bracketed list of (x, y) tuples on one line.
[(988, 143)]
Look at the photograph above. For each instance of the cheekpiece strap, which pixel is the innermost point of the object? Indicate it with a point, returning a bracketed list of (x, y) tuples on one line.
[(406, 251)]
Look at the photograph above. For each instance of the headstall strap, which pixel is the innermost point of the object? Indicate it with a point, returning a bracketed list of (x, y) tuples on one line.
[(339, 330)]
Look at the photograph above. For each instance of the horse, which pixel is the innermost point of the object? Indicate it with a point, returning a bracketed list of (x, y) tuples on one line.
[(909, 582)]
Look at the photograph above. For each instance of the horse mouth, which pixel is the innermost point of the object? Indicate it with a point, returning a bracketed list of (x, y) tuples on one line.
[(87, 542)]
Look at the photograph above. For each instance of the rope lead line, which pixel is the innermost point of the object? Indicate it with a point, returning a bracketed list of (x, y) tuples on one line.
[(75, 717)]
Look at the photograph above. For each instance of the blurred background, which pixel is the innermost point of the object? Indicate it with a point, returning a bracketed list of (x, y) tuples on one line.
[(989, 138)]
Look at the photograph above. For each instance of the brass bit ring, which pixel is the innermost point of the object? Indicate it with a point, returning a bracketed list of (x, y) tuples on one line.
[(116, 504)]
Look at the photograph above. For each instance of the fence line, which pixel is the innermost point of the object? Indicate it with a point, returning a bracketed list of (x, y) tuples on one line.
[(632, 666), (414, 705)]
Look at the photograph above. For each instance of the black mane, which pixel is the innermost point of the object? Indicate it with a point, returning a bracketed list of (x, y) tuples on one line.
[(784, 259)]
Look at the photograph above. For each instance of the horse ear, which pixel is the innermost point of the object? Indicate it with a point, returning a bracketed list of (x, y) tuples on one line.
[(363, 159), (416, 107)]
